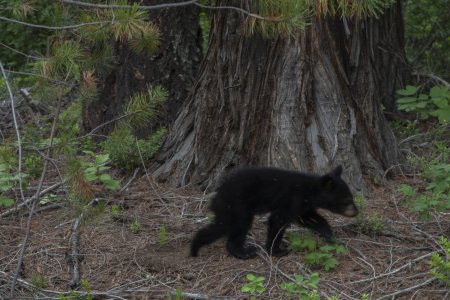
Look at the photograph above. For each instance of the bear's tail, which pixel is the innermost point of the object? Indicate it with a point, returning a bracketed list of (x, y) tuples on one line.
[(206, 236)]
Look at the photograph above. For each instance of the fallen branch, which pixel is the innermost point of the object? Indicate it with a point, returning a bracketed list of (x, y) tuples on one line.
[(28, 201), (434, 77), (408, 289), (129, 181), (45, 292), (73, 259), (33, 205), (408, 265)]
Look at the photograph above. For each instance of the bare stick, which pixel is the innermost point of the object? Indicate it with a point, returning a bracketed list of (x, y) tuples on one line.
[(409, 264), (26, 202), (53, 27), (33, 203), (163, 6), (16, 127), (129, 181), (408, 289)]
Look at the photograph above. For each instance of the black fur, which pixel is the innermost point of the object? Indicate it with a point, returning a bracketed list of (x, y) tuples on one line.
[(289, 196)]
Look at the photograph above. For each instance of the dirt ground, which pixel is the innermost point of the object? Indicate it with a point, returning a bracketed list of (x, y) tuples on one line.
[(120, 264)]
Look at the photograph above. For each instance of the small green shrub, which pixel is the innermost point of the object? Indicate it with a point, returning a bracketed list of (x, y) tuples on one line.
[(365, 297), (126, 152), (33, 165), (115, 211), (178, 294), (303, 288), (162, 235), (255, 285), (75, 295), (9, 178), (135, 227), (37, 280), (371, 224), (436, 103), (436, 196), (440, 265), (315, 256), (95, 170)]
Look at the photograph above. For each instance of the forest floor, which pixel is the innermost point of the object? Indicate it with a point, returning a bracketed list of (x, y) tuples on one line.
[(118, 263)]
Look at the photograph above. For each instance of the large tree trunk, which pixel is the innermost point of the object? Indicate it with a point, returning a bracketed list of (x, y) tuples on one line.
[(308, 103), (174, 66)]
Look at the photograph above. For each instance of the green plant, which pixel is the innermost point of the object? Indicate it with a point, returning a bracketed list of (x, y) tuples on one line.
[(33, 165), (371, 224), (324, 257), (254, 286), (74, 295), (438, 177), (178, 294), (300, 243), (9, 179), (162, 235), (87, 288), (426, 35), (440, 265), (143, 107), (95, 170), (126, 152), (302, 287), (37, 280), (365, 297), (135, 227), (115, 211), (436, 103), (24, 38), (314, 255), (436, 197)]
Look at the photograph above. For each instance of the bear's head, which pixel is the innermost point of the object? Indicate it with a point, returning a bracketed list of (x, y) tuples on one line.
[(335, 194)]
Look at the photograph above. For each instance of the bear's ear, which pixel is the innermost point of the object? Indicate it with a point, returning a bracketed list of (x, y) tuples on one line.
[(336, 172), (328, 182)]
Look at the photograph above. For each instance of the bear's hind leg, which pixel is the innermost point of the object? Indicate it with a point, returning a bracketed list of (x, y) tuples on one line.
[(206, 236)]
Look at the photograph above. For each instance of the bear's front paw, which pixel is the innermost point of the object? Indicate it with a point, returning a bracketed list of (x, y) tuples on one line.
[(245, 252), (279, 252)]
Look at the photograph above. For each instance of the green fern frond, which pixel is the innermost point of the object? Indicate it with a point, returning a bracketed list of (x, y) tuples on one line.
[(142, 107)]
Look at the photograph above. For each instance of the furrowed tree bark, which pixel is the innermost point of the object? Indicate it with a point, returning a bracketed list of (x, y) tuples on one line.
[(174, 66), (307, 103)]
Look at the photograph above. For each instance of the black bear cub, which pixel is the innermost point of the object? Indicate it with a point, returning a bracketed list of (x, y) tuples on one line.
[(289, 196)]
